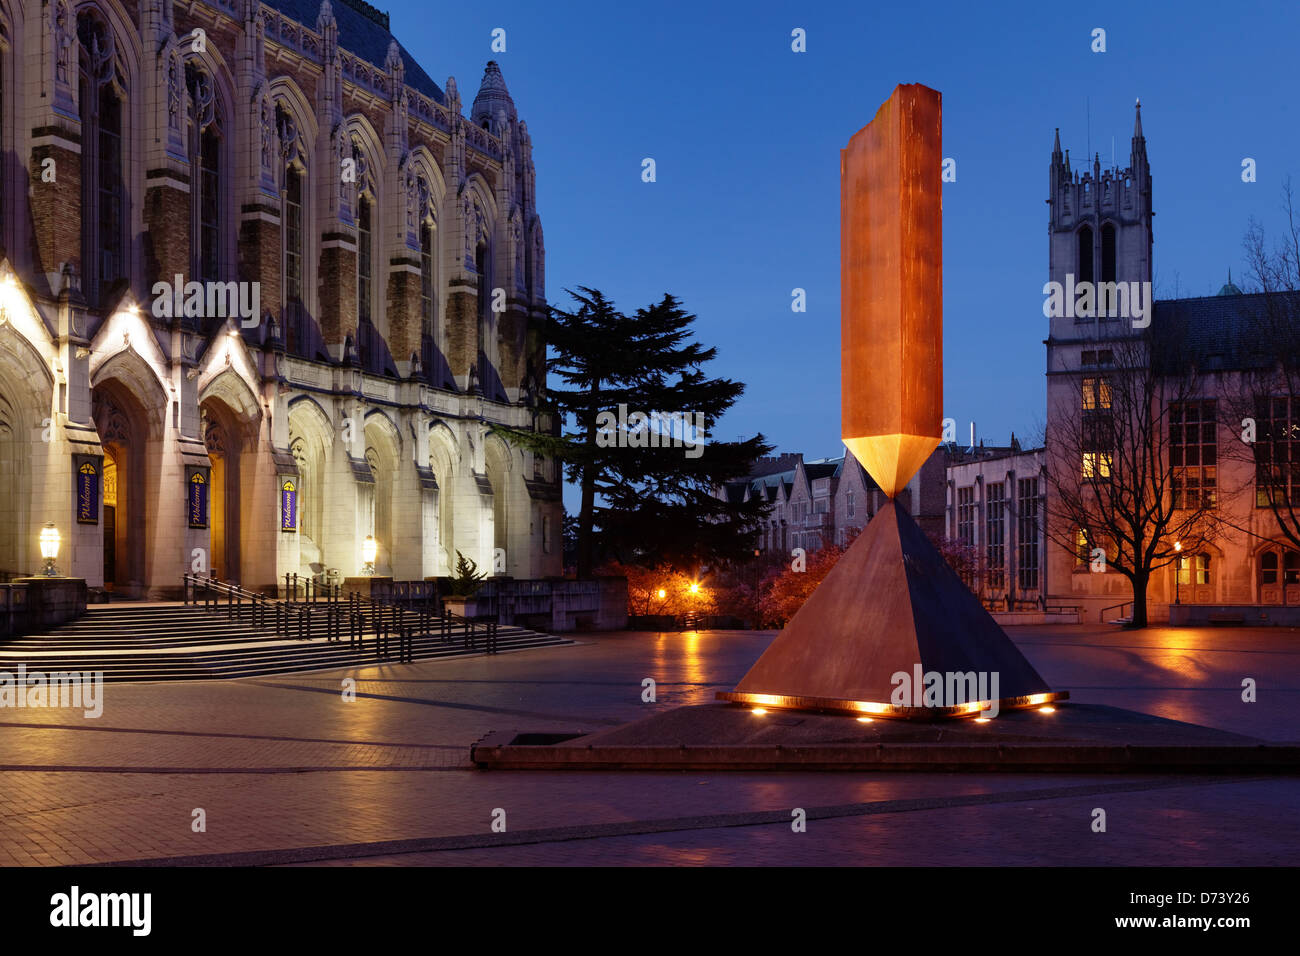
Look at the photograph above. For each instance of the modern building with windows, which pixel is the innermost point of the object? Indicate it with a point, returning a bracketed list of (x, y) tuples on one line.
[(266, 288)]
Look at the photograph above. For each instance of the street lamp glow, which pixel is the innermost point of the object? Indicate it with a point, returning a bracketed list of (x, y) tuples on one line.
[(695, 588), (662, 594), (369, 549), (759, 711), (1178, 572), (50, 547), (1047, 710)]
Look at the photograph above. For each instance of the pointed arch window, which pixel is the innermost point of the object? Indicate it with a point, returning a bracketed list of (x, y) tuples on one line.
[(103, 232), (365, 260), (1085, 255), (480, 267), (426, 277), (1108, 252), (292, 234), (205, 175)]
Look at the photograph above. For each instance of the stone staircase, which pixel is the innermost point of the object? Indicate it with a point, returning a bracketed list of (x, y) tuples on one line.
[(153, 642)]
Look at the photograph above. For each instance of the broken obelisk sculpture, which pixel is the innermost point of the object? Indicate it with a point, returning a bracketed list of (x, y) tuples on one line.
[(892, 606)]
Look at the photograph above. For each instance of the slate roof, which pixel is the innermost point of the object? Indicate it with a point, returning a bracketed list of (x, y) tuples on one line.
[(362, 36), (825, 468), (1216, 330)]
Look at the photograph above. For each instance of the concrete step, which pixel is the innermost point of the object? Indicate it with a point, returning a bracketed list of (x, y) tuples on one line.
[(319, 656), (179, 642)]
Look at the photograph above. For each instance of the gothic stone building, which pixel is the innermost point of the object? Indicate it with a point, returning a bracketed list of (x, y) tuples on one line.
[(1100, 229), (371, 299), (819, 502), (995, 508)]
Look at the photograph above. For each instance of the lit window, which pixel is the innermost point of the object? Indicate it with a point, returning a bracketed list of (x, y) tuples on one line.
[(1096, 464), (1193, 568), (1096, 394), (1193, 453)]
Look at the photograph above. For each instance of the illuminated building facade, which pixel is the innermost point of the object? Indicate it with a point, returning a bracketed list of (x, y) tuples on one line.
[(266, 290)]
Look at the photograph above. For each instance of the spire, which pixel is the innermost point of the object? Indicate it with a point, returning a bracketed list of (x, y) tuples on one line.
[(1138, 154), (1056, 143), (492, 97)]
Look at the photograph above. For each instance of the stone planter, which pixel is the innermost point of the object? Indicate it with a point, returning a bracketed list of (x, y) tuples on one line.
[(462, 606)]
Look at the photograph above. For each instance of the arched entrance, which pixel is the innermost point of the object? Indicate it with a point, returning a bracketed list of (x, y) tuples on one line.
[(123, 432), (15, 465), (383, 453), (1198, 574), (442, 461), (1277, 574), (496, 459), (222, 439), (310, 436)]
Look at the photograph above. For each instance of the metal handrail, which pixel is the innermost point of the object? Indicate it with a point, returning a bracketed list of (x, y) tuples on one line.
[(361, 616), (1101, 615), (388, 618)]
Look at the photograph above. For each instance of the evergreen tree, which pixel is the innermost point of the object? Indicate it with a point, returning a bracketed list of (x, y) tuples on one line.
[(642, 408)]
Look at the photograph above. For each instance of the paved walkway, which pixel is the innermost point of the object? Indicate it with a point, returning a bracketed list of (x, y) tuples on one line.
[(286, 771)]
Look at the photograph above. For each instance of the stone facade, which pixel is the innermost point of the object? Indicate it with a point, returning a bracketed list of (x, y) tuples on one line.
[(995, 504), (819, 502), (290, 154), (1104, 219)]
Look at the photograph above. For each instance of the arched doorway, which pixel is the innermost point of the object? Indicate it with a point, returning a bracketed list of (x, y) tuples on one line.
[(1277, 574), (15, 465), (123, 432), (1197, 576), (383, 453), (496, 459), (442, 461), (310, 436), (222, 439)]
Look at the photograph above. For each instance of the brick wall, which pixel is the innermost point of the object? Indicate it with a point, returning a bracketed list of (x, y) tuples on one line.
[(167, 234), (56, 234), (338, 292), (259, 255), (462, 328), (404, 314)]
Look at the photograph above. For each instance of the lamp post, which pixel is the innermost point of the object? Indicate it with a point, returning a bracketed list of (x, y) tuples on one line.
[(50, 548), (1178, 570), (369, 549)]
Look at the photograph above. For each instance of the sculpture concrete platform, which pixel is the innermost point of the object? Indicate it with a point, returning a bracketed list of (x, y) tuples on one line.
[(1069, 738), (890, 606)]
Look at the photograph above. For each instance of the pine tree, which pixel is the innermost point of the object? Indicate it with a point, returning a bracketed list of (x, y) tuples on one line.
[(647, 487)]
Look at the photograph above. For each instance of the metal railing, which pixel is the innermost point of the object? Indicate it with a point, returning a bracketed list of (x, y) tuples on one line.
[(325, 611), (418, 616), (310, 589), (1101, 615), (1061, 608)]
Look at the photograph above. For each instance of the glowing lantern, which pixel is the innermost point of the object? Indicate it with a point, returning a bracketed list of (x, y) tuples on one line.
[(50, 547)]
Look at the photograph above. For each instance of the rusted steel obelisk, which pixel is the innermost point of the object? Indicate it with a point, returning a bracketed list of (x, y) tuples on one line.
[(891, 604)]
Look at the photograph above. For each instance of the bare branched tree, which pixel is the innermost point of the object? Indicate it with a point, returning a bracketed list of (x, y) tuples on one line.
[(1113, 446), (1265, 405)]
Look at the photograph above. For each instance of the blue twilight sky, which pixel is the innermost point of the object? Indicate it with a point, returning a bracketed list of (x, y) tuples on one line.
[(746, 136)]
